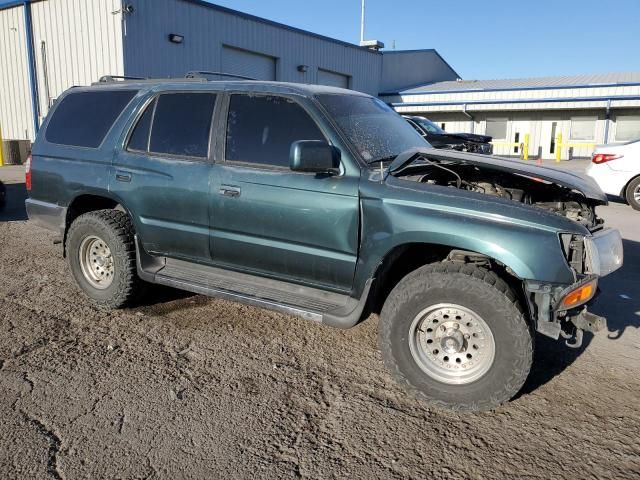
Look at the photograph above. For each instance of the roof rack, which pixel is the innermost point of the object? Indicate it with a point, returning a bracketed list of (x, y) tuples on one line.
[(204, 74), (113, 78)]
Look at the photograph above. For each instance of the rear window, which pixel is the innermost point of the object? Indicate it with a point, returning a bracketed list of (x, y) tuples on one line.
[(83, 119)]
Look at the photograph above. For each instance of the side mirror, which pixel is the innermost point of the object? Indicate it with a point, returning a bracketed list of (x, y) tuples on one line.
[(314, 156)]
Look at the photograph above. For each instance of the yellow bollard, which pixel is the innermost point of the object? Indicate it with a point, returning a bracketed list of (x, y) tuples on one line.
[(525, 147), (1, 149), (558, 147)]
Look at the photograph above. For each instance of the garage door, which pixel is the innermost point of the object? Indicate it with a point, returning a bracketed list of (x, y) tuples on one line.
[(325, 77), (248, 64)]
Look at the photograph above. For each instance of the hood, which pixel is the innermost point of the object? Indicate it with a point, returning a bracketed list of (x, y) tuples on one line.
[(583, 184)]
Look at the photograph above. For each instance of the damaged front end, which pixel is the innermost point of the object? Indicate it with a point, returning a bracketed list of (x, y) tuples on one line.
[(558, 309), (561, 310)]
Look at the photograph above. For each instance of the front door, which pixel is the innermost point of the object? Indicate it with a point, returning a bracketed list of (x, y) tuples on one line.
[(162, 175), (548, 136), (269, 220)]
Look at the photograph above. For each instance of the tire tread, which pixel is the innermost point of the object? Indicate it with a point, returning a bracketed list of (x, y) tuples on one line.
[(518, 325)]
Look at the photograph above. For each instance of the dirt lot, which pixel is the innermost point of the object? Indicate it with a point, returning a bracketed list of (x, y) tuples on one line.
[(187, 386)]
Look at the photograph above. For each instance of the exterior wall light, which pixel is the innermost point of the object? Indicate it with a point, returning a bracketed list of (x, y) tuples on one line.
[(175, 38), (303, 68)]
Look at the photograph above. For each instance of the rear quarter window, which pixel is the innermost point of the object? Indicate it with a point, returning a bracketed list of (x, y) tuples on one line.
[(83, 119)]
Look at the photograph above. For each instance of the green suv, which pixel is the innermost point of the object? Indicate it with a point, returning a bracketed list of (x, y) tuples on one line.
[(325, 204)]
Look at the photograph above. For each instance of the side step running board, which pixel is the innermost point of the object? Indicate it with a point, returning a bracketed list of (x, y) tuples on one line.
[(334, 309)]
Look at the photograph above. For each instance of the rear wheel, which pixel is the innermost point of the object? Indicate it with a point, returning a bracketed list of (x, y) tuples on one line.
[(456, 335), (100, 249), (632, 193)]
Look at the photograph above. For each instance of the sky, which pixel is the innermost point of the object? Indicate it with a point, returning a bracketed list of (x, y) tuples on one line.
[(481, 39)]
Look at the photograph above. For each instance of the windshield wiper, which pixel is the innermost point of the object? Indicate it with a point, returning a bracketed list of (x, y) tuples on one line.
[(383, 160), (406, 157)]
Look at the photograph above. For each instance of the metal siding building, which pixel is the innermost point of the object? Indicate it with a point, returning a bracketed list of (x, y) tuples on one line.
[(16, 112), (585, 110), (50, 45), (213, 33)]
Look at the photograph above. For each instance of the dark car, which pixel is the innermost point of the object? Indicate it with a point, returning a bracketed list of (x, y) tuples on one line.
[(324, 203), (438, 138)]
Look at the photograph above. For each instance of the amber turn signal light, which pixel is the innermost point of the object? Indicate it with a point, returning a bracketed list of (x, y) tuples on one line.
[(579, 295)]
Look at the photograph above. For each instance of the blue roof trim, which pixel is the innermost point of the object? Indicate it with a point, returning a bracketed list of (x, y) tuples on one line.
[(33, 81), (13, 3), (523, 100), (512, 89), (248, 16), (415, 50)]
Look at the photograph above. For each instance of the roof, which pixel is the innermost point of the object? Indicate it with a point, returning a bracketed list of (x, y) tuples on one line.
[(534, 83), (421, 50)]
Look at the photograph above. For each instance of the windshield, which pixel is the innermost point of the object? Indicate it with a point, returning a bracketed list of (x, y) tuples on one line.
[(428, 125), (374, 128)]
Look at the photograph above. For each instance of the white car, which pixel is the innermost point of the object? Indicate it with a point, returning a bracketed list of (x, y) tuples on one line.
[(616, 169)]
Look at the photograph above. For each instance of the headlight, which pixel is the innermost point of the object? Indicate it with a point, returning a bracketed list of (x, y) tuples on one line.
[(603, 252)]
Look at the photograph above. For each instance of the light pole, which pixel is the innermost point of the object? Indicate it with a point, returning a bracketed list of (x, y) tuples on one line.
[(362, 23)]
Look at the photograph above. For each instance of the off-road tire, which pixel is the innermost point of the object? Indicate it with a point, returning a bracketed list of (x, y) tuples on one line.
[(628, 193), (477, 289), (115, 228)]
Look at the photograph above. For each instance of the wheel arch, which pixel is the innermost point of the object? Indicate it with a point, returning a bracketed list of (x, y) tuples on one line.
[(405, 258), (623, 192)]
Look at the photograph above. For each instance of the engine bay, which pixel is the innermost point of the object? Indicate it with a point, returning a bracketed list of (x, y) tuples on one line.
[(511, 186)]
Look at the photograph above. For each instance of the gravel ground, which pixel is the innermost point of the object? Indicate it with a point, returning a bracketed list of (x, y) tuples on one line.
[(187, 386)]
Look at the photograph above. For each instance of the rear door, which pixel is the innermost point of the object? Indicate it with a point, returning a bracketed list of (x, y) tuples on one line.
[(269, 220), (162, 174)]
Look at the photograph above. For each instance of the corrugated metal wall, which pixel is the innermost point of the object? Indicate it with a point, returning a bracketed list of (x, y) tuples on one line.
[(148, 52), (82, 41), (16, 118), (405, 69)]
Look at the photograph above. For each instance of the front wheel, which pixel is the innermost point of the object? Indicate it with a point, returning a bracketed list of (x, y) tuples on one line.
[(456, 335)]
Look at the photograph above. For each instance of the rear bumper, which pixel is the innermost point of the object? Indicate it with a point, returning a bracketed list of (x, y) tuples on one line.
[(46, 215), (612, 182)]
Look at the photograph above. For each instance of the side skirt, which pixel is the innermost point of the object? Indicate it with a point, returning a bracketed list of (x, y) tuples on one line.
[(341, 311)]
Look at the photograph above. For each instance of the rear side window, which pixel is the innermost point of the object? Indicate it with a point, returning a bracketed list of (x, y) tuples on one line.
[(261, 129), (83, 119), (140, 137), (181, 124)]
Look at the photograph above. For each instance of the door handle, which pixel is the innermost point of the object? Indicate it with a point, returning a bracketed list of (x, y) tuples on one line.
[(229, 191), (123, 176)]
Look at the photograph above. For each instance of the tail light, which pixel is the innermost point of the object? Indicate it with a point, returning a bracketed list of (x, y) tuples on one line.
[(604, 157), (27, 172)]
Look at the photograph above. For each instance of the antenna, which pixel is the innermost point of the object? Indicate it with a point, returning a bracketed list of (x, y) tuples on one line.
[(362, 23)]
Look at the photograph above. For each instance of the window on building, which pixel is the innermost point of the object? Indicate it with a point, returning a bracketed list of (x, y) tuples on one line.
[(83, 119), (181, 124), (627, 128), (261, 129), (496, 128), (583, 128)]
